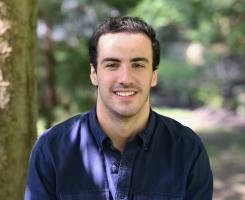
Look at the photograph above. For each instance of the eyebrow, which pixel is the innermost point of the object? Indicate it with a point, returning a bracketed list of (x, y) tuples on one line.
[(139, 59), (111, 59)]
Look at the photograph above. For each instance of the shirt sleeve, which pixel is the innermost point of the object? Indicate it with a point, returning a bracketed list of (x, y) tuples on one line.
[(200, 180), (41, 175)]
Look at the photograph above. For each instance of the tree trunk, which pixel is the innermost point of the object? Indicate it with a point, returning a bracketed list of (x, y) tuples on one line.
[(17, 93), (49, 98)]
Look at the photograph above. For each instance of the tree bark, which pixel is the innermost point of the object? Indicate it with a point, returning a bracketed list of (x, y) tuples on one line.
[(17, 93)]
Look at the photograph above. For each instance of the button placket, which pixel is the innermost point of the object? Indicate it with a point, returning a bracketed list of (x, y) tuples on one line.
[(125, 171)]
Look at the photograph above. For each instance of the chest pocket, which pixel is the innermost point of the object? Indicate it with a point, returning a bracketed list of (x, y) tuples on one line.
[(156, 197), (100, 195)]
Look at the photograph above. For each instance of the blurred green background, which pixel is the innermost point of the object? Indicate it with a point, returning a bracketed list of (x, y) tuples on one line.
[(201, 73)]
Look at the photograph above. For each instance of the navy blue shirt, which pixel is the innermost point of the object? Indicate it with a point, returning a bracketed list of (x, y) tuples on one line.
[(75, 160)]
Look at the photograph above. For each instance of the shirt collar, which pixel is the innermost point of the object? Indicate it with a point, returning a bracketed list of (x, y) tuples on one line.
[(97, 131), (145, 135)]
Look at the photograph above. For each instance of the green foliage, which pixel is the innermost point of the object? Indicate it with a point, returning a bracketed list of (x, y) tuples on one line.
[(178, 79), (176, 70), (122, 5), (160, 13), (49, 10), (209, 94), (72, 75), (207, 21)]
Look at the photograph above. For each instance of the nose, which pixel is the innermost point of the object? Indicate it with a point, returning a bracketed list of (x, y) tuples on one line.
[(125, 75)]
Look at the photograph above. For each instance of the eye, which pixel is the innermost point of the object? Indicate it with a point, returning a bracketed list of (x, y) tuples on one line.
[(138, 65), (112, 66)]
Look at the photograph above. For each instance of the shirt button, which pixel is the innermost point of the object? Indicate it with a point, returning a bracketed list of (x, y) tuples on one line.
[(115, 167), (121, 195)]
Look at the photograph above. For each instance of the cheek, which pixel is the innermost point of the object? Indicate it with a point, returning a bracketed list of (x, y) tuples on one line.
[(109, 77), (146, 81), (105, 82)]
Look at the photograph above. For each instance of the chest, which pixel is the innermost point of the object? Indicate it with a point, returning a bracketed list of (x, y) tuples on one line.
[(142, 175)]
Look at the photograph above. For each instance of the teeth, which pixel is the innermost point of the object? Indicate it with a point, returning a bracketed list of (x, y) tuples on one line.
[(125, 94)]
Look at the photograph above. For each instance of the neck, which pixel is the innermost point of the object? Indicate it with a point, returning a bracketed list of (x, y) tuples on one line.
[(120, 129)]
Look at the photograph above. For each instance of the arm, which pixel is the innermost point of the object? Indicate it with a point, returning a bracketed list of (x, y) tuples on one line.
[(41, 174), (200, 180)]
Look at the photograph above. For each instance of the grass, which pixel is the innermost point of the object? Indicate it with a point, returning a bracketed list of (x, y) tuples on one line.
[(174, 113)]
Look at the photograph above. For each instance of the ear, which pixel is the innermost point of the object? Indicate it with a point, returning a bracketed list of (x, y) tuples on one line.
[(154, 78), (93, 75)]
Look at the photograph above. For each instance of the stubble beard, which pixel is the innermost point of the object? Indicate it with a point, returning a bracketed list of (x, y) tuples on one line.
[(128, 111)]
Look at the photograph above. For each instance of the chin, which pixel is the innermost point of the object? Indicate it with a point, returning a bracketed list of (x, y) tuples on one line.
[(126, 113)]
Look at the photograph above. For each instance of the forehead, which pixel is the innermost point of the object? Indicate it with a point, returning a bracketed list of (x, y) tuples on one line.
[(127, 44)]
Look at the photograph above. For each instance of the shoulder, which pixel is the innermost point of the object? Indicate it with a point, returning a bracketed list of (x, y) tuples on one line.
[(177, 131), (175, 137), (62, 132)]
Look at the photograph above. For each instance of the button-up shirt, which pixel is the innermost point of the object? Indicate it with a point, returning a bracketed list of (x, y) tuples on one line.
[(75, 160)]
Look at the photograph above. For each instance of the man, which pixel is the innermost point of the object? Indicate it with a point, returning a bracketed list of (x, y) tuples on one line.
[(121, 149)]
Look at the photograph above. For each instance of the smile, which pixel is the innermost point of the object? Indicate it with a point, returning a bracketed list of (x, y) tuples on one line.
[(125, 94)]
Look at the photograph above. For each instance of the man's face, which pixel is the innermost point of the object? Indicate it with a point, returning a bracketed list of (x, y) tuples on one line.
[(124, 74)]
